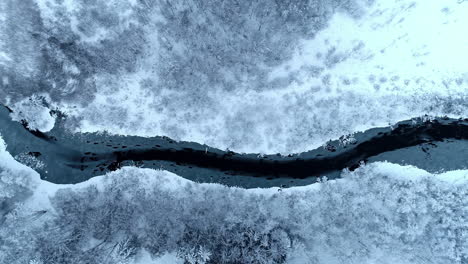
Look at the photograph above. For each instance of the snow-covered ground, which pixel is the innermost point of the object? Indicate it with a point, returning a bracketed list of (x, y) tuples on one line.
[(36, 114), (265, 85), (381, 213), (233, 76), (399, 60)]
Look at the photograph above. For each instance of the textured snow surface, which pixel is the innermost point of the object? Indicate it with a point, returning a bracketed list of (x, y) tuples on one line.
[(249, 76), (381, 213), (400, 60), (252, 76), (34, 112)]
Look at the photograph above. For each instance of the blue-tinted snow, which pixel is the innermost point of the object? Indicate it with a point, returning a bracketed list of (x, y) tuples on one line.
[(284, 80), (381, 213), (132, 67)]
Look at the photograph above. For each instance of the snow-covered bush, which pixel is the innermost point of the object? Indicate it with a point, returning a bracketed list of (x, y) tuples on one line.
[(252, 76), (33, 110), (15, 184), (381, 213)]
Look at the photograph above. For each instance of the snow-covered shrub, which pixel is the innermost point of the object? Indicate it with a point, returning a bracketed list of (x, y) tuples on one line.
[(17, 221), (381, 213), (33, 110), (15, 186)]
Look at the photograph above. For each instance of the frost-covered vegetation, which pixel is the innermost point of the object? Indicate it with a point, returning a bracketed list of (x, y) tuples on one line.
[(381, 213), (252, 76), (175, 45)]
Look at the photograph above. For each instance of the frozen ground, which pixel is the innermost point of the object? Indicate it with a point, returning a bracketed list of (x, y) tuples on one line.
[(381, 213), (278, 78), (252, 76)]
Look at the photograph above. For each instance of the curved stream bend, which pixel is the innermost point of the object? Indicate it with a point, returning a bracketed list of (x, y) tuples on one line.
[(62, 157)]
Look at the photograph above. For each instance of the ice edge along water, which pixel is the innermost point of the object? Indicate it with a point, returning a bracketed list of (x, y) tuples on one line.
[(400, 60), (398, 206)]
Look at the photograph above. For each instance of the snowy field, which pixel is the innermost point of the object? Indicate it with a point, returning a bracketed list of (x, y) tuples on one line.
[(248, 76)]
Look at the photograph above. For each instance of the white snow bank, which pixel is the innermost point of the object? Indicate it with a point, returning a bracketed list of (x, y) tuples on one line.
[(402, 59), (381, 213), (34, 112)]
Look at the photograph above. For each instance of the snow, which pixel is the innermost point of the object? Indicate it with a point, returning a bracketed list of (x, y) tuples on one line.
[(2, 145), (34, 112), (381, 213), (368, 64), (145, 258), (381, 63), (14, 174), (401, 59)]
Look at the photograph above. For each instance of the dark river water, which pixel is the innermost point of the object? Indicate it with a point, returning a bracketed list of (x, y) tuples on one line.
[(435, 146)]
